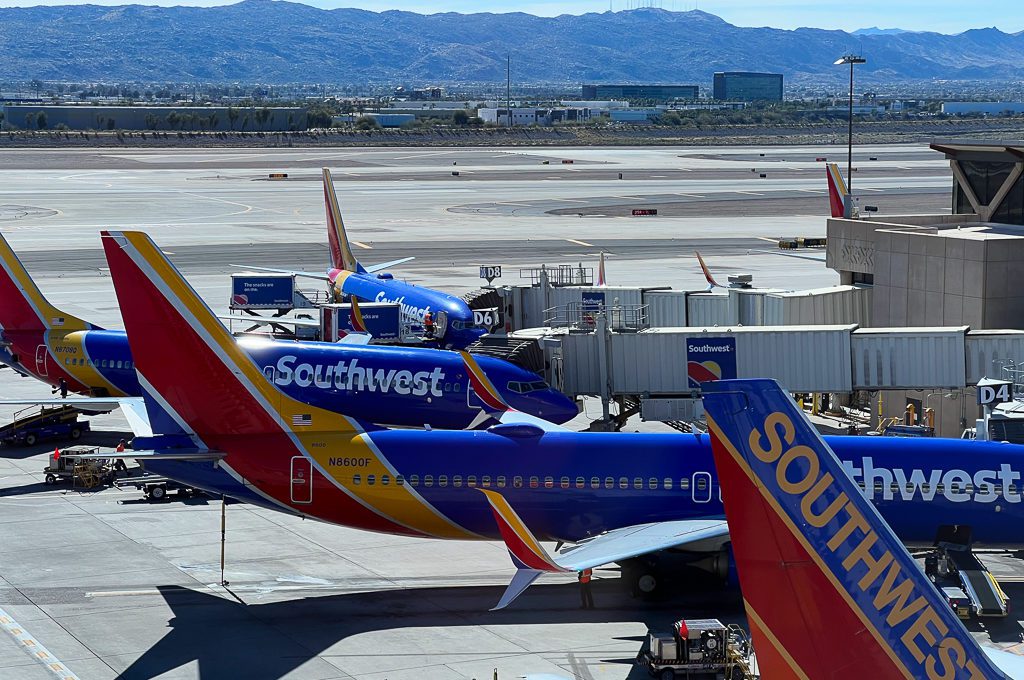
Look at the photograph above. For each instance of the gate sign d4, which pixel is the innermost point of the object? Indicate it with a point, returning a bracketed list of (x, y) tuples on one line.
[(994, 392)]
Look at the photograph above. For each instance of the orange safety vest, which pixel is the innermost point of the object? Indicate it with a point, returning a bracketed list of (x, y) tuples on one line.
[(120, 448), (585, 575)]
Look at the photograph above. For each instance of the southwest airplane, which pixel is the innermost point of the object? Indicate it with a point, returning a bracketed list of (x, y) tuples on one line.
[(398, 386), (230, 429), (829, 589), (347, 277)]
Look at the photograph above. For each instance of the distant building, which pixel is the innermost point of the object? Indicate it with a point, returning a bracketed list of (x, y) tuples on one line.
[(748, 87), (990, 108), (165, 118), (533, 116), (663, 93)]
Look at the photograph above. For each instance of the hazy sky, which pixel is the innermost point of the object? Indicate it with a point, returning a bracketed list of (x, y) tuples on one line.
[(945, 16)]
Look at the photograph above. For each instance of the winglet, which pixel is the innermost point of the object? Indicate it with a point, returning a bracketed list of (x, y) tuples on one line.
[(22, 305), (341, 252), (529, 557), (837, 191), (828, 588), (707, 273), (356, 317), (482, 385), (601, 280)]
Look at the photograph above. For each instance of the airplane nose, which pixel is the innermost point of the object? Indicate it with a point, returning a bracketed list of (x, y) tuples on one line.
[(562, 409)]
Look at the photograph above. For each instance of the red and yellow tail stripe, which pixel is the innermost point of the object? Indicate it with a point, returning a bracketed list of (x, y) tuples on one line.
[(526, 551), (341, 251), (22, 305), (482, 385), (837, 190), (188, 356)]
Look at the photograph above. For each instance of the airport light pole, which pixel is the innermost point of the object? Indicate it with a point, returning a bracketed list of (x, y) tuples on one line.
[(850, 59)]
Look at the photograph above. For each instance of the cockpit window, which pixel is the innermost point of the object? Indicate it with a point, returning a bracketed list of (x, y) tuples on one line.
[(527, 387)]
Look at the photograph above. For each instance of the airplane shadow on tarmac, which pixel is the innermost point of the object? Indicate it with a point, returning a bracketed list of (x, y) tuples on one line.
[(231, 638)]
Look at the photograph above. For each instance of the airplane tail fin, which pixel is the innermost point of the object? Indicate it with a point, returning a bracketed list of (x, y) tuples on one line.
[(707, 273), (341, 251), (22, 305), (837, 191), (187, 360), (828, 588)]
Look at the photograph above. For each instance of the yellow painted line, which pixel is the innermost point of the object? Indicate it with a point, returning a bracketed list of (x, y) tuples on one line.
[(362, 245), (765, 238), (748, 193), (580, 243), (34, 648)]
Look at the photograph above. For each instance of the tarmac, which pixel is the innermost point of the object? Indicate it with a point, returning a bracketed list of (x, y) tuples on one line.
[(112, 585)]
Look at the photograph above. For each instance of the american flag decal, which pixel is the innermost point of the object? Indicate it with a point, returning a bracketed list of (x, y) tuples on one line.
[(302, 419)]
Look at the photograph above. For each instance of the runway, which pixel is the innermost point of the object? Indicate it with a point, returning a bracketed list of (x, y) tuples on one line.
[(115, 586)]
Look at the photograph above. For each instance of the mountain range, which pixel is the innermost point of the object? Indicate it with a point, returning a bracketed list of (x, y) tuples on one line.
[(270, 41)]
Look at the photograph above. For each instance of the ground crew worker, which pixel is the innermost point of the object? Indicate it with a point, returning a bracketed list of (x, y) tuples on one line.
[(119, 464), (62, 387), (586, 597), (428, 325)]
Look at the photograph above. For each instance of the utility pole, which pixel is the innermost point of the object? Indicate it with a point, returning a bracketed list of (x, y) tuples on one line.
[(508, 88)]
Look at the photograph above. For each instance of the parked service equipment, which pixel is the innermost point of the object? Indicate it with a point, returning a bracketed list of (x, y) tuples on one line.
[(43, 423), (86, 474), (699, 648)]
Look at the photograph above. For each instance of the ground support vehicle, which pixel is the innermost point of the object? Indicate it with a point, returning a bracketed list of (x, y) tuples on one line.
[(86, 474), (699, 648), (43, 423)]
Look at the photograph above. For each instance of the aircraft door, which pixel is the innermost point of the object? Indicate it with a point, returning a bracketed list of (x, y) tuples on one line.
[(440, 324), (302, 480), (41, 353), (701, 487)]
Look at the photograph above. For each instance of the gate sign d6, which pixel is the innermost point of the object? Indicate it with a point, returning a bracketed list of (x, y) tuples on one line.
[(994, 392)]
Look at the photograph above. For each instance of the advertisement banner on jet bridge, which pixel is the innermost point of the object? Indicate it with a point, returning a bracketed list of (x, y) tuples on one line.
[(710, 359)]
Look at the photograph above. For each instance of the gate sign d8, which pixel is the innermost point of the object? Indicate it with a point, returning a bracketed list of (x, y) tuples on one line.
[(490, 272), (994, 392)]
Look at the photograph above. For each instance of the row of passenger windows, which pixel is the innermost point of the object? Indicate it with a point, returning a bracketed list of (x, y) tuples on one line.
[(939, 488), (700, 483), (101, 363)]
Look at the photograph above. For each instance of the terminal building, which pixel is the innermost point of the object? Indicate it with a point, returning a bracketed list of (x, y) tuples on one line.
[(748, 87), (663, 93)]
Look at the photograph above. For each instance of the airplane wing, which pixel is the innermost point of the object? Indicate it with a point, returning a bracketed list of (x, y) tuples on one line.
[(386, 265), (532, 560), (322, 276), (190, 456), (267, 321), (133, 408)]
